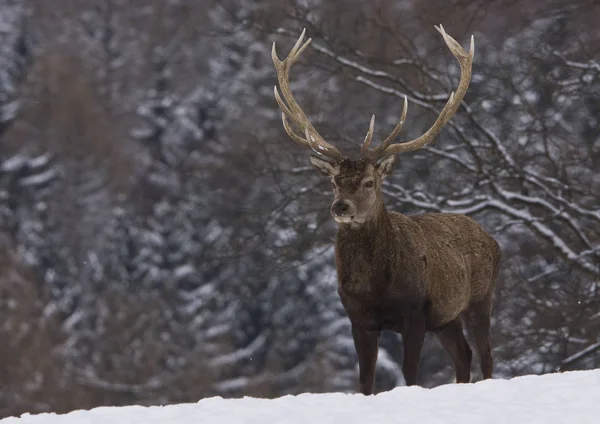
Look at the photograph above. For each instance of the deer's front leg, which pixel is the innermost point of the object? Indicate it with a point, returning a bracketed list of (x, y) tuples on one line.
[(413, 336), (366, 343)]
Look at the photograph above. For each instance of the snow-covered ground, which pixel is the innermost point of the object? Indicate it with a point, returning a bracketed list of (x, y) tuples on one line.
[(572, 398)]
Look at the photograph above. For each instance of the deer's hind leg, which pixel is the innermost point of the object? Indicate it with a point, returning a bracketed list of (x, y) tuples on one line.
[(453, 341), (478, 322)]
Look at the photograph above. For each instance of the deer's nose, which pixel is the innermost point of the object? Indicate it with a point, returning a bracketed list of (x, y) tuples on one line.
[(340, 208)]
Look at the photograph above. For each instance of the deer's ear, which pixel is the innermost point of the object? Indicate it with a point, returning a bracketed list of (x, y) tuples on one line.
[(386, 166), (324, 167)]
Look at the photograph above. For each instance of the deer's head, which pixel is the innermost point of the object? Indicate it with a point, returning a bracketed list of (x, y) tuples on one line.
[(357, 183)]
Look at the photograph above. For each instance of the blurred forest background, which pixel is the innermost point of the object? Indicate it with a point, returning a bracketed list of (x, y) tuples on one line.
[(163, 240)]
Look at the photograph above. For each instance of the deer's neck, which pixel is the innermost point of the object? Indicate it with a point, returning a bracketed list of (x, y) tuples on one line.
[(363, 252)]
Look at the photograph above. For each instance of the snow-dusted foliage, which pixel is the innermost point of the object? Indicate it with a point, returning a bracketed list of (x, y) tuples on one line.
[(14, 58)]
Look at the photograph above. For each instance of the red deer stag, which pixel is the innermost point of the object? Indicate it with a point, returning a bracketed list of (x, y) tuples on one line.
[(409, 274)]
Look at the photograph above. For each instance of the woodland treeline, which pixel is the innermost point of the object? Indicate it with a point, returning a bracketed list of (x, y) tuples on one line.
[(162, 240)]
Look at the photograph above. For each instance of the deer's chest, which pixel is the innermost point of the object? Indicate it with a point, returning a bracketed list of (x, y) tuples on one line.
[(372, 275), (378, 311), (370, 298), (374, 293), (361, 266)]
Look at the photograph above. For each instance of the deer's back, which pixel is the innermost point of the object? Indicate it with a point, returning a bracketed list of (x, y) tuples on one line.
[(462, 263)]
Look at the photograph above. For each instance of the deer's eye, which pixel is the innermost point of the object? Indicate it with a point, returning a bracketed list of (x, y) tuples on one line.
[(369, 184)]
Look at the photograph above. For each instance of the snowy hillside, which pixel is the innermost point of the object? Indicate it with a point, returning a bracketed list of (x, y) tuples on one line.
[(572, 397)]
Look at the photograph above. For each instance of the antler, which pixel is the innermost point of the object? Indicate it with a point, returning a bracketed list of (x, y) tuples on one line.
[(292, 110), (386, 149)]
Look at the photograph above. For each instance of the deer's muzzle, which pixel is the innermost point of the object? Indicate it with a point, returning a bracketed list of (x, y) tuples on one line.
[(343, 210)]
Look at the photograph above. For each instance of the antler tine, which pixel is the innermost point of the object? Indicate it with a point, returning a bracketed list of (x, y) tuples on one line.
[(466, 63), (365, 152), (308, 141), (368, 138), (288, 129), (290, 108)]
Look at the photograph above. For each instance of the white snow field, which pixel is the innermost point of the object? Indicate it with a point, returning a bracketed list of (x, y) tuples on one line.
[(569, 398)]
